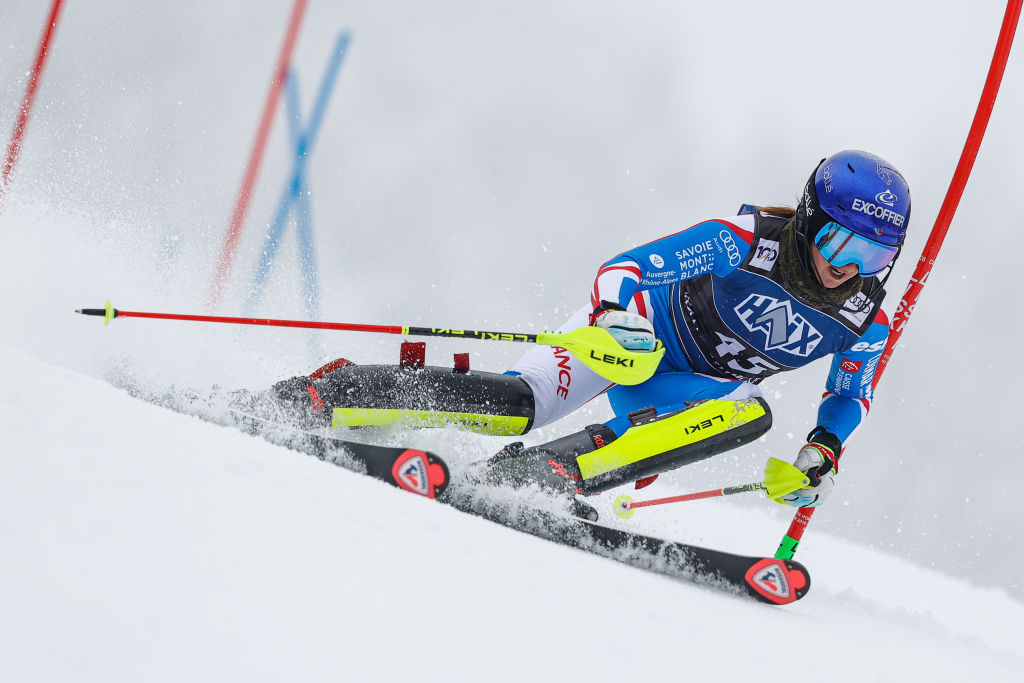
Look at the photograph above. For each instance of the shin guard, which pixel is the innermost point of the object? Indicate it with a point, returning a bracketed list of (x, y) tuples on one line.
[(383, 395), (669, 441)]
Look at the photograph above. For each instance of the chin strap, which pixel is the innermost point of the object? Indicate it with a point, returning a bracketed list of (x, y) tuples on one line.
[(801, 276)]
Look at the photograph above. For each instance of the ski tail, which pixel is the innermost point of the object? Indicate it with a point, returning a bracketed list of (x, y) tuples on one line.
[(412, 470)]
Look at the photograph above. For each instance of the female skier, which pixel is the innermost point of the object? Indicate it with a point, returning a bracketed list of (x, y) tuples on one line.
[(733, 300)]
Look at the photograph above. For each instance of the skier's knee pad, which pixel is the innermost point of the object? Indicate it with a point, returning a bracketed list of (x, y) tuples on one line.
[(383, 395), (665, 442)]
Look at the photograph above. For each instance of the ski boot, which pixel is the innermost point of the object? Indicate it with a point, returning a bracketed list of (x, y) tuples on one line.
[(552, 466)]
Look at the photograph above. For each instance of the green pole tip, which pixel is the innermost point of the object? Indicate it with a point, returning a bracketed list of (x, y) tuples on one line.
[(110, 314)]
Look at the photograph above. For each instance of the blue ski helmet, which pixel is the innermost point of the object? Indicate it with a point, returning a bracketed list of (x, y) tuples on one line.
[(864, 193), (855, 209)]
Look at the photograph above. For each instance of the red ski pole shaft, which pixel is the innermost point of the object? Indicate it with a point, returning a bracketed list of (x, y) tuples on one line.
[(714, 493), (310, 324), (109, 313), (942, 222), (594, 347)]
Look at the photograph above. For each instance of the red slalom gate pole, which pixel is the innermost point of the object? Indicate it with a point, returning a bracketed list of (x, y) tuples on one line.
[(252, 167), (25, 111), (956, 186), (935, 238)]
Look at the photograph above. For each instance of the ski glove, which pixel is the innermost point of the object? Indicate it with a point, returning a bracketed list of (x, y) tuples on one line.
[(633, 331), (819, 460)]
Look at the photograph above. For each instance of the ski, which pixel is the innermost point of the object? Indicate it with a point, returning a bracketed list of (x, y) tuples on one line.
[(420, 472), (766, 579), (770, 580), (424, 473), (254, 413)]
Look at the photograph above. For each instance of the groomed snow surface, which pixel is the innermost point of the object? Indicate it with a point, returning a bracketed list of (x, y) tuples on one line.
[(144, 545)]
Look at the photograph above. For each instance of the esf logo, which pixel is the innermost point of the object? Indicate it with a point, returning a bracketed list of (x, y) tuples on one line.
[(730, 247), (783, 329)]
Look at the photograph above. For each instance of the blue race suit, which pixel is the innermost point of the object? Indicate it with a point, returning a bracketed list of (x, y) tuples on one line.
[(719, 301)]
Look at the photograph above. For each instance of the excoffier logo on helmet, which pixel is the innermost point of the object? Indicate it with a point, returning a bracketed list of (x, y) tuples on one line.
[(784, 330), (879, 212), (886, 197)]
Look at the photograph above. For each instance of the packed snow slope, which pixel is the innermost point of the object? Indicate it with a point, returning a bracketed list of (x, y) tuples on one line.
[(142, 544)]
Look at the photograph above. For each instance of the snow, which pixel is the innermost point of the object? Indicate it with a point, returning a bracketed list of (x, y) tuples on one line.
[(142, 544)]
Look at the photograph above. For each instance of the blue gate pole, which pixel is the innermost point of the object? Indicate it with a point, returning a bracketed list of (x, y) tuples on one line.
[(295, 190)]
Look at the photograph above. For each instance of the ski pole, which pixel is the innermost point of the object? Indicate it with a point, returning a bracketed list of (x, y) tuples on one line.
[(624, 506), (593, 346), (787, 548), (780, 478)]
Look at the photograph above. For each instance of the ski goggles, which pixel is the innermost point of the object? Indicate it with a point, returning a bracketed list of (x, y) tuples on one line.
[(841, 246)]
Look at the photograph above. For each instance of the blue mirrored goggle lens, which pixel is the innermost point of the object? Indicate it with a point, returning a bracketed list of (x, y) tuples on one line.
[(841, 246)]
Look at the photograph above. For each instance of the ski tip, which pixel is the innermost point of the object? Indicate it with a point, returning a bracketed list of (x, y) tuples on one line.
[(778, 582)]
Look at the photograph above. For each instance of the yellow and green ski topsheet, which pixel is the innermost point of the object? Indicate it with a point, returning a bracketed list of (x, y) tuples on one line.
[(499, 425)]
